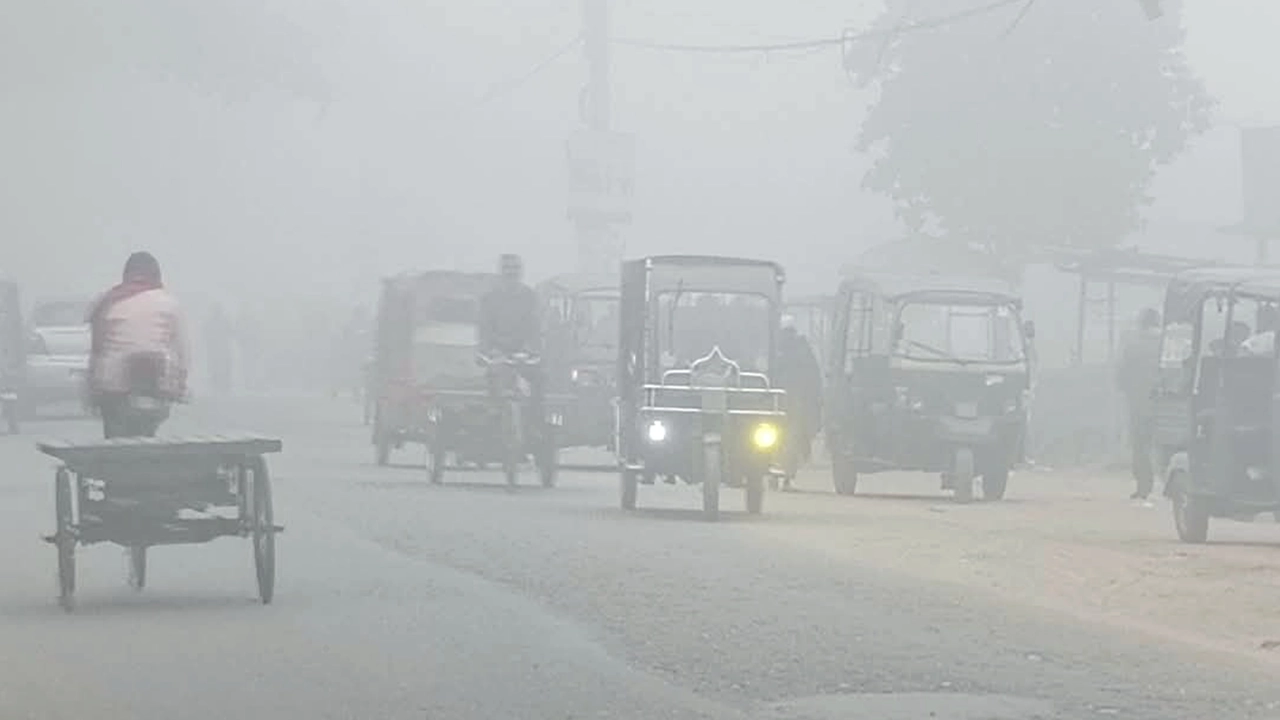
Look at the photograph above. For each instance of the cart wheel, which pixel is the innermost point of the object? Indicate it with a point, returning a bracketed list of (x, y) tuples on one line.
[(64, 539), (1190, 515), (630, 485), (138, 567), (264, 530), (994, 483), (755, 493), (712, 470), (962, 475)]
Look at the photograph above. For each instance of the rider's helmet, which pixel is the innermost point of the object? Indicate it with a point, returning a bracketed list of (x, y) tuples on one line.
[(511, 267)]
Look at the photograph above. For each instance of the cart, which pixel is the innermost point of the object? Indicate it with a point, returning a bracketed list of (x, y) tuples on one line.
[(142, 492)]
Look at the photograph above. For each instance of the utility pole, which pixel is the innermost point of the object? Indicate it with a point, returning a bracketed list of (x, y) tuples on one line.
[(600, 160)]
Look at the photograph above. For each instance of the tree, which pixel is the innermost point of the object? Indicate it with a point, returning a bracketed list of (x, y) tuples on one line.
[(1036, 123)]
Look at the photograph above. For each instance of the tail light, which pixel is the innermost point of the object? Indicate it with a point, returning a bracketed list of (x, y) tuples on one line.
[(36, 345)]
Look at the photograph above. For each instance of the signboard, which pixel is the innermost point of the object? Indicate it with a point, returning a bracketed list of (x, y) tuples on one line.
[(601, 175), (1260, 160)]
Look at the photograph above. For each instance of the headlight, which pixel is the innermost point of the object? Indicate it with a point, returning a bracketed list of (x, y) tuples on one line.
[(657, 432), (765, 436)]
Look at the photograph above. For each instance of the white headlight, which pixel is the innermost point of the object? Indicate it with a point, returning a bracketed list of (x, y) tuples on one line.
[(657, 431)]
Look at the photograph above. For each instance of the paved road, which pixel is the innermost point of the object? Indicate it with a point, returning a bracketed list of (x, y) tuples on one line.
[(400, 600)]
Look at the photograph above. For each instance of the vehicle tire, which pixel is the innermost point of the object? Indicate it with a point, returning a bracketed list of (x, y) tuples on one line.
[(64, 537), (137, 567), (962, 475), (755, 493), (1190, 514), (629, 484), (712, 471), (843, 476), (994, 483), (264, 530)]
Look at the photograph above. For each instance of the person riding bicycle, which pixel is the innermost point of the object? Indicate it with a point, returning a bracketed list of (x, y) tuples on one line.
[(136, 328), (509, 325)]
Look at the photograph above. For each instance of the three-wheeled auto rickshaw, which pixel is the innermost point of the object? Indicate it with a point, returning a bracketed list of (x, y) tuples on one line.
[(13, 362), (580, 325), (433, 388), (928, 373), (697, 342), (1215, 403)]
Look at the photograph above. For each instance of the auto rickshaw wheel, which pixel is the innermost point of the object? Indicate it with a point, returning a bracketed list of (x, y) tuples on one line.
[(629, 484), (994, 482), (712, 470), (843, 476), (437, 461), (548, 460), (137, 556), (1190, 513), (962, 475), (755, 493)]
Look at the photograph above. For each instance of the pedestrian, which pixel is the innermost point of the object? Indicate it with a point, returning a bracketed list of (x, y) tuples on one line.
[(800, 375), (1137, 374)]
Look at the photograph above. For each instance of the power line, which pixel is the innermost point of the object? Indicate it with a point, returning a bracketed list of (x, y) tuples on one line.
[(840, 41), (512, 84)]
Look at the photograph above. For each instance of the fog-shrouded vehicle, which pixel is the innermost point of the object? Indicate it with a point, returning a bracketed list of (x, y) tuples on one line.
[(928, 373), (12, 357), (580, 321), (697, 343), (57, 353), (432, 386), (1215, 403)]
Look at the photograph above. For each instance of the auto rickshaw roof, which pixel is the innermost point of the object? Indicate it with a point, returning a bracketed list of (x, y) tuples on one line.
[(579, 283), (1257, 281), (711, 273), (443, 282), (896, 286)]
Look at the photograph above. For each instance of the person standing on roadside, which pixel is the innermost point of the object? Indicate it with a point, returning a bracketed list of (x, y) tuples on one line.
[(1137, 374)]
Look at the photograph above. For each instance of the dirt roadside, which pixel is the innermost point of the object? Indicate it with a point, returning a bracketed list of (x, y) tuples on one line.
[(1064, 542)]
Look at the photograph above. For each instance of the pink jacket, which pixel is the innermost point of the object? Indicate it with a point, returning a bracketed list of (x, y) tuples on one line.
[(150, 321)]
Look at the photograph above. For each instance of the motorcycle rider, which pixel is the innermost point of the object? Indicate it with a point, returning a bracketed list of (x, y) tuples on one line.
[(136, 321), (509, 324)]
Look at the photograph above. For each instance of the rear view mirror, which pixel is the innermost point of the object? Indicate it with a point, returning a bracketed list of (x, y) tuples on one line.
[(1029, 329)]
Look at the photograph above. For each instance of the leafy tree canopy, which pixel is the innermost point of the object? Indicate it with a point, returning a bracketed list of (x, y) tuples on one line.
[(1021, 129)]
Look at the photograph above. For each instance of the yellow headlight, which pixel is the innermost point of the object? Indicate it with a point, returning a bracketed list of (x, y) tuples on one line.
[(765, 436)]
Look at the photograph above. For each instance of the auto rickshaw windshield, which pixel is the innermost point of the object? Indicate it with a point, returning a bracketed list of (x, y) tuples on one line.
[(959, 333), (595, 320), (692, 324)]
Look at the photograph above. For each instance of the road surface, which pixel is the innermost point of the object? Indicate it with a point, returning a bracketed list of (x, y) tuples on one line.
[(396, 599)]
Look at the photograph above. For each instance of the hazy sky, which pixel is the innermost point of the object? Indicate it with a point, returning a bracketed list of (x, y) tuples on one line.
[(398, 167)]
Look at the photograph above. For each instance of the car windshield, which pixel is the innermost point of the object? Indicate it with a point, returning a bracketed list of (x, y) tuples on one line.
[(691, 324), (959, 333), (60, 314)]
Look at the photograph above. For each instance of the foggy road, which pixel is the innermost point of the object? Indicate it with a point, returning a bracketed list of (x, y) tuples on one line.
[(397, 599)]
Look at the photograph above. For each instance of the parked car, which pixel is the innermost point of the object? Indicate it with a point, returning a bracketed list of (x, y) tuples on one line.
[(58, 348)]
